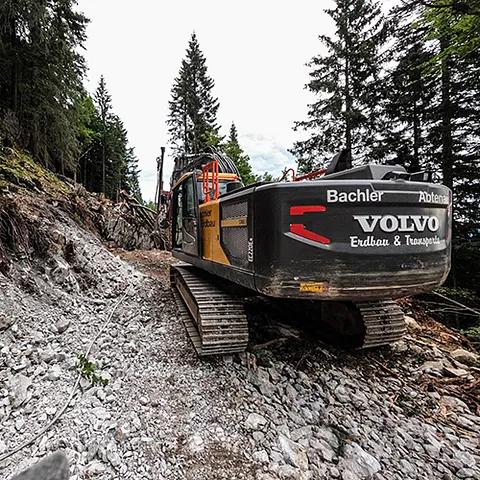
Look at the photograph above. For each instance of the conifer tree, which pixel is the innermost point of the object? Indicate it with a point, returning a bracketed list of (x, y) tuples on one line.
[(131, 181), (410, 92), (193, 109), (41, 78), (108, 164), (434, 102), (104, 104), (347, 82), (233, 150)]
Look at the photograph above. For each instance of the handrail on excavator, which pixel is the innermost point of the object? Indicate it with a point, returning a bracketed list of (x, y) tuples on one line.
[(303, 177), (212, 168)]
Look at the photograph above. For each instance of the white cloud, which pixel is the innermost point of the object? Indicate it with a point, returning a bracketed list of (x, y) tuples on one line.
[(266, 153)]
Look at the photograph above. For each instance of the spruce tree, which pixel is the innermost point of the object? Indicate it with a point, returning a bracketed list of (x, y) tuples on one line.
[(193, 109), (131, 181), (107, 163), (233, 150), (41, 78), (410, 92), (347, 82), (104, 104)]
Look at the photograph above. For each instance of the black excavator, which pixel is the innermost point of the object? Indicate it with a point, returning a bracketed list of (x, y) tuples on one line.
[(341, 242)]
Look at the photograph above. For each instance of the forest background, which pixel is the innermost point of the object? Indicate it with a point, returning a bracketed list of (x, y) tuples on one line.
[(401, 87)]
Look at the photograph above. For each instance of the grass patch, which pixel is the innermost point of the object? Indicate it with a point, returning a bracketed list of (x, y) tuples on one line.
[(20, 170)]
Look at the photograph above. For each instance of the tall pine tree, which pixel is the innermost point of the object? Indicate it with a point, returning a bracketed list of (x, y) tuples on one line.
[(233, 150), (347, 82), (456, 132), (104, 105), (193, 109), (41, 78), (410, 92), (107, 163)]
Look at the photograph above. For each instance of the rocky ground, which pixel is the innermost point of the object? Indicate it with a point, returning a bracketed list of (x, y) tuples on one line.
[(307, 411)]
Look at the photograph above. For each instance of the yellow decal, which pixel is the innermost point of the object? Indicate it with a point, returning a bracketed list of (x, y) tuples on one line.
[(235, 222), (318, 287)]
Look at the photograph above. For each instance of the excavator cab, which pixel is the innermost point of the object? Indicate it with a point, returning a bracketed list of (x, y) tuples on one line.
[(190, 193)]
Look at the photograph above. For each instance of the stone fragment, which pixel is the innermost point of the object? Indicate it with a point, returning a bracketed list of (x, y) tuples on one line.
[(54, 467), (323, 449), (466, 459), (466, 473), (287, 472), (94, 468), (334, 473), (62, 325), (411, 323), (5, 321), (50, 411), (195, 444), (326, 434), (454, 403), (261, 456), (255, 421), (293, 453), (456, 372), (101, 413), (434, 367), (18, 389), (466, 357), (291, 393), (302, 432), (261, 379), (47, 355), (19, 424), (112, 455), (358, 461), (54, 373)]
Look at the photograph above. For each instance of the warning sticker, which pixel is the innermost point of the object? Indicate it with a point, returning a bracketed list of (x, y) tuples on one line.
[(318, 287)]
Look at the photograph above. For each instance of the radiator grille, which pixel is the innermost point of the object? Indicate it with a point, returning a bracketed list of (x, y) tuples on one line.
[(235, 240), (234, 210)]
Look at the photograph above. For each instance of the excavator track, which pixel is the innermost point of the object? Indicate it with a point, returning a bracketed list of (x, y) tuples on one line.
[(384, 322), (349, 325), (215, 320)]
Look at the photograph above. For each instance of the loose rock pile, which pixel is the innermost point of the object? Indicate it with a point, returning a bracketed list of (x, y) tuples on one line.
[(165, 414)]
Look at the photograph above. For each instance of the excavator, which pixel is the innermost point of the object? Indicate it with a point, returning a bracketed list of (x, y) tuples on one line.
[(339, 244)]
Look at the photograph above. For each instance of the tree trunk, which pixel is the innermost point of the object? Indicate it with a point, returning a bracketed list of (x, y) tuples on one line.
[(14, 72), (446, 110), (104, 154), (348, 93), (415, 165)]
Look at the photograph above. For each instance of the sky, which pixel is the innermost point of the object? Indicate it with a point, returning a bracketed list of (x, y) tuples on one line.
[(255, 51)]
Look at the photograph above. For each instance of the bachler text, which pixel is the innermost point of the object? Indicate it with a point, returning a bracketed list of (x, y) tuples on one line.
[(334, 196), (397, 223), (426, 197)]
